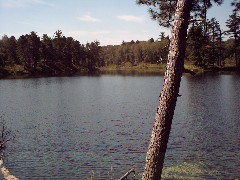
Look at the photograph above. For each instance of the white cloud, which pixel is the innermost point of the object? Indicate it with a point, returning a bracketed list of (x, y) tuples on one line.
[(130, 18), (108, 37), (79, 35), (121, 35), (23, 3), (88, 18), (84, 33), (42, 2)]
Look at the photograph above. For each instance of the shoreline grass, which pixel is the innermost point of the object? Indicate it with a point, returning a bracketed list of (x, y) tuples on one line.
[(17, 72), (142, 67), (146, 67)]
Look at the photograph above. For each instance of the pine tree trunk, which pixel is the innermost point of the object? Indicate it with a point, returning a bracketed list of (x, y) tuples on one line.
[(169, 93)]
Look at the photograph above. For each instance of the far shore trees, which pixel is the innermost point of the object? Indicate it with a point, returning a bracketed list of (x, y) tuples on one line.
[(233, 23), (58, 55)]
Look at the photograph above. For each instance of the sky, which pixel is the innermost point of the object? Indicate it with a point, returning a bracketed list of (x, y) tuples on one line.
[(108, 21)]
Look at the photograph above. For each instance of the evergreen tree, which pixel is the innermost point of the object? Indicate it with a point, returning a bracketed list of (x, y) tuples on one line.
[(236, 5), (67, 51), (47, 51), (195, 45), (78, 53), (168, 97), (93, 59), (58, 45), (11, 50), (23, 50), (34, 45), (4, 50), (162, 36), (233, 23), (3, 53), (211, 53), (164, 10), (151, 40)]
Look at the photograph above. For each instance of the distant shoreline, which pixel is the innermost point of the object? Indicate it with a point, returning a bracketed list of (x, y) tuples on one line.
[(141, 69)]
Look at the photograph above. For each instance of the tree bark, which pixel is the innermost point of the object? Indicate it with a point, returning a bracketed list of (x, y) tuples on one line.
[(169, 93)]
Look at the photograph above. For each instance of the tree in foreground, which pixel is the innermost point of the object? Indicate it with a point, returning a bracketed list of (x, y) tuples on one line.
[(169, 93), (168, 97)]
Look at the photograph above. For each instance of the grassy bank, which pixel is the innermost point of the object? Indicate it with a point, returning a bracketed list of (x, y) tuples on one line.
[(142, 67), (59, 70), (146, 67)]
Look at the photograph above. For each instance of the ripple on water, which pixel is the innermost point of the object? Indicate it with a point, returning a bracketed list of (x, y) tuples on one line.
[(81, 127)]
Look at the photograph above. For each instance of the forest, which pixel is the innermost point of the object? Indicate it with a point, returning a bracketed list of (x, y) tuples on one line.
[(208, 46), (195, 41)]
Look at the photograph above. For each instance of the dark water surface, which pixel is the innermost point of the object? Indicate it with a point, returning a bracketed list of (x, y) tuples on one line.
[(99, 127)]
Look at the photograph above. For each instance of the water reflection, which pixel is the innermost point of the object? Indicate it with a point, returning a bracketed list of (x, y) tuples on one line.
[(206, 133), (99, 126)]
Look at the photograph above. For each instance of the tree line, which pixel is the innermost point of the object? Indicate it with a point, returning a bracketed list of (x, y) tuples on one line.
[(30, 54), (206, 46), (137, 52)]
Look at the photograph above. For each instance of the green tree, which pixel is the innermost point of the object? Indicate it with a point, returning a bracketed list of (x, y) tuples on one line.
[(119, 55), (168, 97), (164, 10), (151, 40), (195, 45), (78, 53), (34, 45), (233, 23), (47, 50), (58, 45), (23, 50), (229, 49), (11, 51), (236, 4), (3, 50), (144, 51), (109, 55), (138, 54), (67, 52), (162, 36), (93, 59), (213, 38)]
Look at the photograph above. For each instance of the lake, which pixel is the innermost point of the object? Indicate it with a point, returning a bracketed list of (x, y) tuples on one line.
[(99, 126)]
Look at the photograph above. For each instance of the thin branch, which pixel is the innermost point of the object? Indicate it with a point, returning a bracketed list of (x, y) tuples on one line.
[(126, 175)]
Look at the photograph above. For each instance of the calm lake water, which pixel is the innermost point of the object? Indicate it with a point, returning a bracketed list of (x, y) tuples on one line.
[(99, 127)]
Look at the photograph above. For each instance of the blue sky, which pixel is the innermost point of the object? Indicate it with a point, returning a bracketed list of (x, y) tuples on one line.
[(109, 21)]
